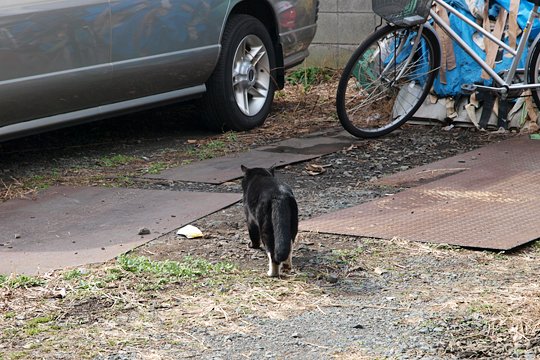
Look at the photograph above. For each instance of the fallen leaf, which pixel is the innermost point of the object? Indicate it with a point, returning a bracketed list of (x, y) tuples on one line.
[(314, 169)]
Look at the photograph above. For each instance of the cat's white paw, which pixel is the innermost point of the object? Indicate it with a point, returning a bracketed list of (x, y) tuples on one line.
[(273, 269), (271, 273)]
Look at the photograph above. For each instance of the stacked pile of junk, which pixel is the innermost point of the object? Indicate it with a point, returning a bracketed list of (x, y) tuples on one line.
[(447, 102)]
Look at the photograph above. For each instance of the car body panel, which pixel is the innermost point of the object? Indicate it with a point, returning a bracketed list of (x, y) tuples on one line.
[(160, 46), (298, 24), (68, 61), (51, 53)]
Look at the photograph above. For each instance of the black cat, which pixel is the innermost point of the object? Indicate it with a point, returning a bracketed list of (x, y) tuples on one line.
[(272, 216)]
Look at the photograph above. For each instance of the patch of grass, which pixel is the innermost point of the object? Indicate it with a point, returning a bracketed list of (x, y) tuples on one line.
[(536, 246), (156, 167), (36, 325), (157, 274), (309, 76), (3, 279), (231, 136), (42, 182), (280, 94), (188, 268), (17, 355), (24, 281), (481, 308), (113, 275), (116, 160), (123, 181), (209, 150), (73, 274), (9, 314), (348, 255)]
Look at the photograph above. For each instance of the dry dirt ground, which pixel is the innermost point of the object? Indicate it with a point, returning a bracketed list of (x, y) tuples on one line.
[(209, 298)]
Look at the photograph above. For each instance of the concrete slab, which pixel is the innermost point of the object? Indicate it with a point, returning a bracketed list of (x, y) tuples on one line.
[(227, 168), (68, 226), (493, 204), (316, 145)]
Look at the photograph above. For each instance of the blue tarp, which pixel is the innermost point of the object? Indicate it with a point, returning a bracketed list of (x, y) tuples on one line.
[(467, 70)]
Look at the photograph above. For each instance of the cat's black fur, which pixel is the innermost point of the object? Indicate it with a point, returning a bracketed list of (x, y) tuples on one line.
[(271, 214)]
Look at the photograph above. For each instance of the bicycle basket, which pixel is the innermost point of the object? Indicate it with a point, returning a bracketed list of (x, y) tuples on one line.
[(402, 12)]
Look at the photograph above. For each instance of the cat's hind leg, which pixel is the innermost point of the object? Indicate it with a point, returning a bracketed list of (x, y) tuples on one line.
[(273, 268), (287, 264), (254, 236)]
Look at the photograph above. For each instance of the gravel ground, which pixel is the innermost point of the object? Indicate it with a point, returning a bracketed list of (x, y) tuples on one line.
[(347, 298), (384, 302)]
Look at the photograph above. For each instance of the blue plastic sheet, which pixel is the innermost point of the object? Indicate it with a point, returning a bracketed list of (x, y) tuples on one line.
[(467, 70)]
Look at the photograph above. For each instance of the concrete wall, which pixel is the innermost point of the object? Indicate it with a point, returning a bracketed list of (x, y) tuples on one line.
[(342, 25)]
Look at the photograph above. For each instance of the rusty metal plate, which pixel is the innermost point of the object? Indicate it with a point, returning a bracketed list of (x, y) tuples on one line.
[(68, 226), (492, 205), (227, 168), (436, 170)]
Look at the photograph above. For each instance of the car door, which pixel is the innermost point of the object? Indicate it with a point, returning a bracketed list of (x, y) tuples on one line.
[(164, 45), (54, 57)]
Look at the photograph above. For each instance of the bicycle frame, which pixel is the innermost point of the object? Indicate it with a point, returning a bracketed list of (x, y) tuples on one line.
[(505, 84)]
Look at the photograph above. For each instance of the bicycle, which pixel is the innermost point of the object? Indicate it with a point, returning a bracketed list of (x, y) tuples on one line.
[(390, 74)]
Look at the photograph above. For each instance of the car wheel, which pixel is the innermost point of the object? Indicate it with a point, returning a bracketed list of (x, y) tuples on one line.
[(241, 89)]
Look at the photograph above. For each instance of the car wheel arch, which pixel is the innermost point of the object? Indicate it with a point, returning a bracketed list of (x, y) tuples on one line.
[(264, 12)]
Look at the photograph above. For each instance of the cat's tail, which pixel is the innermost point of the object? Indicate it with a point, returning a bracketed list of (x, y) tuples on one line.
[(285, 226)]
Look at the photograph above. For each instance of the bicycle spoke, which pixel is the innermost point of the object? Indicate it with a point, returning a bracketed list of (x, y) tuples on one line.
[(384, 84)]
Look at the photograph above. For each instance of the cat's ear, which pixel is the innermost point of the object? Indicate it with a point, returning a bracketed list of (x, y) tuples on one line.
[(244, 169), (272, 170)]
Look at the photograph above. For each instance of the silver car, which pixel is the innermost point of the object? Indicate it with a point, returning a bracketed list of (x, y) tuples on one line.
[(64, 62)]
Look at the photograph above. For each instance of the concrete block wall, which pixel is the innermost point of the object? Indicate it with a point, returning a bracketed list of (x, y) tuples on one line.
[(342, 25)]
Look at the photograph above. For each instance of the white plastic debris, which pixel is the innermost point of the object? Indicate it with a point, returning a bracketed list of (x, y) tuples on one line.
[(190, 232)]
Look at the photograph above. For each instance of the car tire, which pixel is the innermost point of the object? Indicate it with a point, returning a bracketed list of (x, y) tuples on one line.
[(241, 89)]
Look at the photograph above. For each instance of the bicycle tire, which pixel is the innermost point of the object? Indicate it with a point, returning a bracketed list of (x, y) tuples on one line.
[(368, 91), (533, 72)]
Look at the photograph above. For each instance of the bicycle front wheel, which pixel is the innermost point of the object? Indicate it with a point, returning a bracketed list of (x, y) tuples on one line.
[(386, 80), (533, 72)]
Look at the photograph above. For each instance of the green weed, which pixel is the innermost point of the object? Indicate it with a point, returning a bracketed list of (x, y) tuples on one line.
[(209, 150), (73, 274), (42, 182), (35, 326), (231, 136), (18, 355), (113, 275), (156, 167), (123, 181), (168, 270), (347, 255), (481, 308), (116, 160), (24, 281), (309, 76), (9, 315)]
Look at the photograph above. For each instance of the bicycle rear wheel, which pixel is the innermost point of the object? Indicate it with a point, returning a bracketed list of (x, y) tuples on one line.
[(384, 83)]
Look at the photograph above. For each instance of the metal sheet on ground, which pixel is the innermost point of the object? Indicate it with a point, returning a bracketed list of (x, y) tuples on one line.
[(227, 168), (66, 226), (439, 169), (316, 145), (492, 205)]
